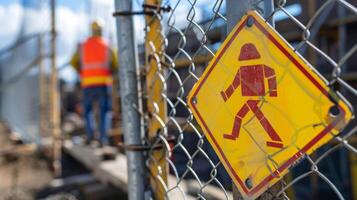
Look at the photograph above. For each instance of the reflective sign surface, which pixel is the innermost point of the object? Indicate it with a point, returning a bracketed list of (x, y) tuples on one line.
[(262, 107)]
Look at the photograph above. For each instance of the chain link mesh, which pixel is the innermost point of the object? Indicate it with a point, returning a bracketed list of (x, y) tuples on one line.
[(190, 34), (20, 88)]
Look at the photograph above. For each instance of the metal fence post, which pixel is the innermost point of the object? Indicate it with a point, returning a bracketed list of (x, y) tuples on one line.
[(235, 11), (237, 8), (128, 70)]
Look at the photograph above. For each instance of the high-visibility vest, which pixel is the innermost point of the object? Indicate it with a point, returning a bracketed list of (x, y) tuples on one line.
[(95, 63)]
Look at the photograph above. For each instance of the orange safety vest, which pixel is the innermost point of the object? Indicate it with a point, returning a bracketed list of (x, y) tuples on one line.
[(95, 61)]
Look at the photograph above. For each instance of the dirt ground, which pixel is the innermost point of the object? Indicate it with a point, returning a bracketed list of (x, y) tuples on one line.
[(21, 174), (22, 177)]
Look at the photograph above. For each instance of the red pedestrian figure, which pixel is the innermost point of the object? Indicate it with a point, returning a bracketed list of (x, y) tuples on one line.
[(251, 78)]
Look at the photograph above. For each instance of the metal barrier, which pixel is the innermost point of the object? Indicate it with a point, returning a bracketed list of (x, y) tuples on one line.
[(179, 43)]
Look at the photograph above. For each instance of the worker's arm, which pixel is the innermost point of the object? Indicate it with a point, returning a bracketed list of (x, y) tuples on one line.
[(270, 75), (113, 60), (75, 61), (234, 85)]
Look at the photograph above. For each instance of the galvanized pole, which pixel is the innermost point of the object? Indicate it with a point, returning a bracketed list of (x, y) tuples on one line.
[(236, 9), (128, 70), (268, 10)]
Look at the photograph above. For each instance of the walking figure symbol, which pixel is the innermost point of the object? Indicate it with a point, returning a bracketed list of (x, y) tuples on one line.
[(251, 79)]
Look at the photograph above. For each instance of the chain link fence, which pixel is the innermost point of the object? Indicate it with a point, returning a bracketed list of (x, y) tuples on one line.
[(24, 73), (21, 85), (182, 36)]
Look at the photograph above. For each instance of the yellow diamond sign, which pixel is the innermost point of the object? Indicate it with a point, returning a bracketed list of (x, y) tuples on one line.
[(262, 107)]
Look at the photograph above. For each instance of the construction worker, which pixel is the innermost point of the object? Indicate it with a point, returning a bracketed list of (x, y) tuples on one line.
[(96, 62)]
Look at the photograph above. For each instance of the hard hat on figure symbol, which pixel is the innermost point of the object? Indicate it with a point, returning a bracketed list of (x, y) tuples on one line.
[(248, 52)]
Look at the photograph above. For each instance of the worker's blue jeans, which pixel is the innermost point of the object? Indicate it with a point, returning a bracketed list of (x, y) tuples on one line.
[(101, 96)]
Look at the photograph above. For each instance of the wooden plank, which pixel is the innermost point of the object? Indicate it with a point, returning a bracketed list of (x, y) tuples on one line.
[(115, 171)]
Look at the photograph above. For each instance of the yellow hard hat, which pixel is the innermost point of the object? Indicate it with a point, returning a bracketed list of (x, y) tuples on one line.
[(96, 27)]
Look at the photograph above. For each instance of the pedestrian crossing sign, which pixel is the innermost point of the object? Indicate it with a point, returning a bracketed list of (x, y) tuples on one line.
[(262, 107)]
